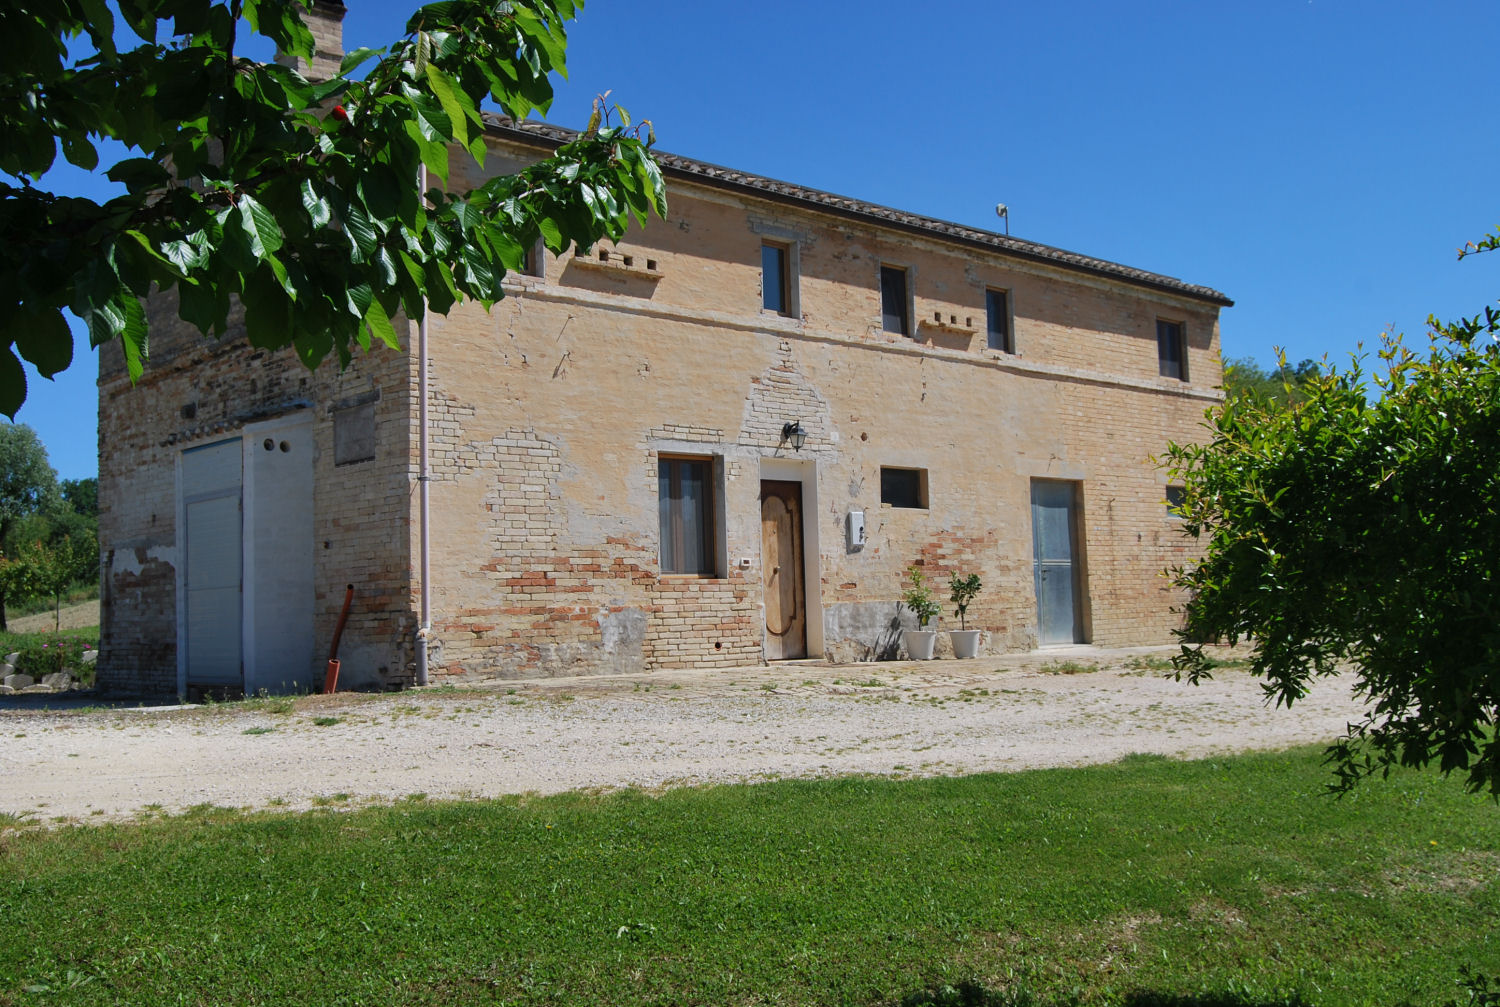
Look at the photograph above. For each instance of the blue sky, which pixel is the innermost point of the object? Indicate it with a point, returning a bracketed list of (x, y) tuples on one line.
[(1320, 162)]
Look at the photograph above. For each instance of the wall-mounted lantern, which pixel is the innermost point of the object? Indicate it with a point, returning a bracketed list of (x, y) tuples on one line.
[(795, 433)]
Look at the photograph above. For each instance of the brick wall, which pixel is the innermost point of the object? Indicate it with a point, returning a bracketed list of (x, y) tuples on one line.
[(550, 413), (195, 391)]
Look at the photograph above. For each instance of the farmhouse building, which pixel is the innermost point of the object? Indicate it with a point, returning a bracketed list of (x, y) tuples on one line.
[(721, 442)]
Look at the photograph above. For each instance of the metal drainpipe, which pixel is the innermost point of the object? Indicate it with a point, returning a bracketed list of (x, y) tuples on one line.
[(424, 476)]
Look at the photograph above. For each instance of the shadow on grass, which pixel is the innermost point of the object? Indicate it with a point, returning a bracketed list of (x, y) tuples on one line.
[(974, 994)]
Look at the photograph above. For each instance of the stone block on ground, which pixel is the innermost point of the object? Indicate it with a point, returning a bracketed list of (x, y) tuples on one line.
[(7, 669), (59, 681), (6, 690), (19, 681), (90, 656), (12, 658)]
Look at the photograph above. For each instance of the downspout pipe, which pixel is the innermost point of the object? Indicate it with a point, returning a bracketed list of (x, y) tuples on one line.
[(424, 478)]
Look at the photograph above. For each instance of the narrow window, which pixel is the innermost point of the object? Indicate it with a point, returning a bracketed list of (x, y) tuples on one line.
[(904, 487), (1171, 351), (1176, 498), (685, 504), (534, 262), (775, 285), (997, 307), (893, 304)]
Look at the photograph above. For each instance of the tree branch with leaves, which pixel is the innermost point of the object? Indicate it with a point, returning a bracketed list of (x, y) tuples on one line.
[(297, 199)]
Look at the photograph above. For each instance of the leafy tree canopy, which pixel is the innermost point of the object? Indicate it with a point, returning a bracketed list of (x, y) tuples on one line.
[(82, 495), (1283, 386), (28, 483), (1364, 532), (297, 198)]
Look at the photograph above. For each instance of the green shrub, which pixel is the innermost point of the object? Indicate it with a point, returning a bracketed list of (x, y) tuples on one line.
[(45, 654)]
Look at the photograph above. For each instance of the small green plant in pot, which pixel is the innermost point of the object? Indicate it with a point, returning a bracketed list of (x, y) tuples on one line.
[(961, 591), (921, 642)]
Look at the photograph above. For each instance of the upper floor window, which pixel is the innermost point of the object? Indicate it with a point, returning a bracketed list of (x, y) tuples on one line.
[(894, 307), (1171, 350), (1176, 499), (534, 261), (687, 512), (776, 287), (997, 324)]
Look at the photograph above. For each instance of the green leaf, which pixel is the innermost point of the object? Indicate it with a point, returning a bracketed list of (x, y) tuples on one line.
[(353, 60), (360, 231), (46, 341), (138, 174), (380, 325), (455, 103), (79, 151), (133, 336), (432, 122), (434, 152), (201, 306), (318, 209), (260, 227), (12, 383)]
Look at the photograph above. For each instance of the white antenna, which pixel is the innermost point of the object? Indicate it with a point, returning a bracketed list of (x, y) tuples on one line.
[(1003, 212)]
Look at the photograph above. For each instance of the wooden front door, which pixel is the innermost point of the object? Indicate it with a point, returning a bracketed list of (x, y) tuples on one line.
[(781, 563)]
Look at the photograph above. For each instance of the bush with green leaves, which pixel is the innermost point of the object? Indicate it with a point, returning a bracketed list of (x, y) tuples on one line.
[(1363, 532), (918, 597), (962, 589), (55, 653)]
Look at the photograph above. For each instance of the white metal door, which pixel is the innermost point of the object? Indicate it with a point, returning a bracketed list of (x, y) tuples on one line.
[(211, 564), (279, 590)]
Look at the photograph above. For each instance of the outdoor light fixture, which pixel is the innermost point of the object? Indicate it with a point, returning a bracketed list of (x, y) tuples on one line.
[(793, 432)]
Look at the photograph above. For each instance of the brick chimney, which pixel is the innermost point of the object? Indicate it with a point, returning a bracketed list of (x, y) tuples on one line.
[(326, 21)]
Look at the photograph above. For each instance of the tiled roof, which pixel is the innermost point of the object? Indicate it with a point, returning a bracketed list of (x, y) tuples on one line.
[(786, 192)]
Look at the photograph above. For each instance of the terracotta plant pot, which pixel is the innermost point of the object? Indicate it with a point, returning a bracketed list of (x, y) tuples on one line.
[(965, 642), (919, 643)]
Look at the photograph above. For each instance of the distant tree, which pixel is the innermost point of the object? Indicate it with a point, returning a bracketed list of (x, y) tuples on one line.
[(28, 485), (1284, 386), (1364, 532), (82, 495)]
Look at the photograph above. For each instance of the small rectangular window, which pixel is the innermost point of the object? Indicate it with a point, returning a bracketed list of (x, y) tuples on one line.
[(894, 313), (1176, 497), (534, 261), (904, 487), (1171, 350), (775, 285), (997, 308), (686, 508)]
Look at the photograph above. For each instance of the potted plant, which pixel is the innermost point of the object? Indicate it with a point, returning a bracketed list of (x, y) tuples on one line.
[(961, 591), (920, 642)]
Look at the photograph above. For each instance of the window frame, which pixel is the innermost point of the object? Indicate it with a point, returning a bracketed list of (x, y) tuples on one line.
[(1171, 333), (1174, 507), (1007, 317), (922, 500), (904, 300), (791, 306), (709, 518), (534, 261)]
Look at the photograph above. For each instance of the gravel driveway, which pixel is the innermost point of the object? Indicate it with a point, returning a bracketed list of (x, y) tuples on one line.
[(661, 729)]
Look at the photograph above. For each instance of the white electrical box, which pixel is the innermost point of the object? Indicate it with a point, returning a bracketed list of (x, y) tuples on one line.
[(856, 530)]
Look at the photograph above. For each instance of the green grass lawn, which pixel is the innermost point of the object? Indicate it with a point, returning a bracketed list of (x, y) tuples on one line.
[(1228, 881)]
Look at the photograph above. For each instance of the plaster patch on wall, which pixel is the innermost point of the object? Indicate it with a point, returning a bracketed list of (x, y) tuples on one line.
[(130, 562)]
